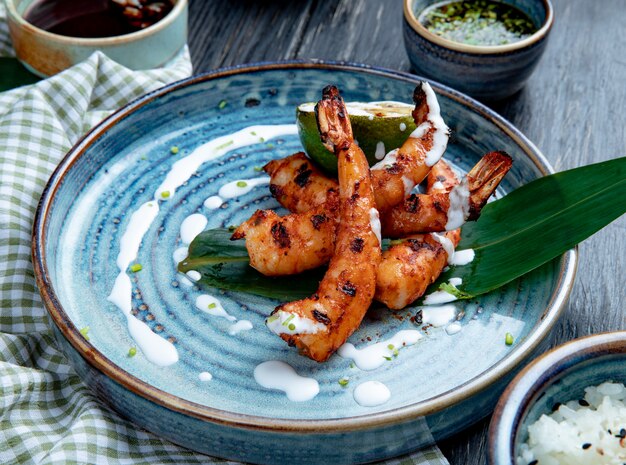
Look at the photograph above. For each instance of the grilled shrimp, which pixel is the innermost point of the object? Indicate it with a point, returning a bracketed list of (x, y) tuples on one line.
[(401, 170), (290, 244), (318, 325), (408, 268), (299, 186), (444, 211)]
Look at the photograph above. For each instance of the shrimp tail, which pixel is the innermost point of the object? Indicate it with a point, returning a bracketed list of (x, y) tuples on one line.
[(484, 178), (332, 120), (420, 112)]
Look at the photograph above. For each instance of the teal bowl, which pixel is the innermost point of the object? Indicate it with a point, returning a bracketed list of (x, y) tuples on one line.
[(45, 53), (556, 377), (439, 386), (484, 72)]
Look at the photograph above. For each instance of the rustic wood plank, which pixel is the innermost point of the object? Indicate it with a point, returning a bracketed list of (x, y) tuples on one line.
[(572, 108)]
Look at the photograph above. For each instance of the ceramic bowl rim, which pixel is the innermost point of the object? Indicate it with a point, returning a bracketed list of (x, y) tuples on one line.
[(407, 413), (521, 393), (51, 37), (411, 19)]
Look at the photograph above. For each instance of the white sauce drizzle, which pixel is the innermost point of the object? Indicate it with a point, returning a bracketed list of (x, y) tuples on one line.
[(438, 315), (375, 224), (289, 323), (447, 244), (279, 375), (443, 297), (205, 376), (438, 185), (180, 254), (212, 306), (193, 275), (184, 168), (241, 186), (213, 203), (379, 154), (241, 325), (459, 208), (462, 257), (389, 160), (157, 349), (408, 185), (371, 394), (192, 226), (434, 121), (373, 356), (453, 328)]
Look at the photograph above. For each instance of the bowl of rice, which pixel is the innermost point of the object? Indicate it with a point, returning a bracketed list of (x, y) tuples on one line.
[(566, 407)]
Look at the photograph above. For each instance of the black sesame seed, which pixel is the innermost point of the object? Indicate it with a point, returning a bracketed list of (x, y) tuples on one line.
[(534, 462), (586, 445), (556, 406), (583, 403)]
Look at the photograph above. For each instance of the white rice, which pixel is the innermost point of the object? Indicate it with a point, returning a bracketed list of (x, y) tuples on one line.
[(587, 432)]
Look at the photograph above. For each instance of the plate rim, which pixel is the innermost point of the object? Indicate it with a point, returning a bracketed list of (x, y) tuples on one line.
[(556, 305)]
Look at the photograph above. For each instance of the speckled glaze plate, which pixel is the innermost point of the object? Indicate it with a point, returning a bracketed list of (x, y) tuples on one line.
[(438, 386)]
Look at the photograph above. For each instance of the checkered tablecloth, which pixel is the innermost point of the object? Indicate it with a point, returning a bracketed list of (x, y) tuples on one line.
[(47, 415)]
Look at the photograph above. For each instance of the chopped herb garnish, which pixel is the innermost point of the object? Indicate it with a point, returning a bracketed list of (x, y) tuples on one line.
[(212, 305), (136, 267), (352, 365), (270, 146), (242, 184), (387, 358), (84, 331), (452, 289), (272, 318), (231, 228), (262, 139), (390, 346), (165, 194), (222, 104), (174, 150), (224, 145), (291, 327), (395, 352), (258, 169), (132, 352), (508, 339), (343, 382), (253, 133), (289, 318)]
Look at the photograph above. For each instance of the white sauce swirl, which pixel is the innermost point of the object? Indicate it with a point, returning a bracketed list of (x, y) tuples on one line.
[(279, 375), (371, 394), (374, 355)]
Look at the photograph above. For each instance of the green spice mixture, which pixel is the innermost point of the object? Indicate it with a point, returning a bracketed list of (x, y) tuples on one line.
[(478, 22)]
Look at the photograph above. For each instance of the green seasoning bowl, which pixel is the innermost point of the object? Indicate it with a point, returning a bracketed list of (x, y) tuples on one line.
[(485, 72), (45, 53)]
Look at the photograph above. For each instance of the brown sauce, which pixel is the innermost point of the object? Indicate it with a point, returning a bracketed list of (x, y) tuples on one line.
[(96, 18)]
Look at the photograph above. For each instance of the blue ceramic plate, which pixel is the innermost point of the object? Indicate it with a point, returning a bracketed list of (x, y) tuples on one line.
[(438, 386)]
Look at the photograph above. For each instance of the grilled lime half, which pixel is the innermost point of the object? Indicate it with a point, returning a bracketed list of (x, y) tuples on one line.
[(378, 128)]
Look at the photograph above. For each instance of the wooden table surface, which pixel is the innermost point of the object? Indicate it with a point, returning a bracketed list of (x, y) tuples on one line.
[(572, 108)]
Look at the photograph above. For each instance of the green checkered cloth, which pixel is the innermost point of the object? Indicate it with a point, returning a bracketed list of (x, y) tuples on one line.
[(47, 415)]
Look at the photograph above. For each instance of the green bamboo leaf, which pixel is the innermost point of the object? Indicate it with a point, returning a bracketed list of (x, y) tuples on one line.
[(224, 264), (540, 221), (514, 235)]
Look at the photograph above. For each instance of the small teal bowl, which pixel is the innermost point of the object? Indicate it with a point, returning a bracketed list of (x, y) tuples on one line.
[(558, 376), (45, 53), (485, 72)]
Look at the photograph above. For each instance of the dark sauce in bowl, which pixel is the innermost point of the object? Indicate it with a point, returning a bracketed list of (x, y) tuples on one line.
[(96, 18), (477, 22)]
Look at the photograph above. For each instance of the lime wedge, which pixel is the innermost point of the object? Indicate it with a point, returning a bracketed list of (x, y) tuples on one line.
[(378, 128)]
